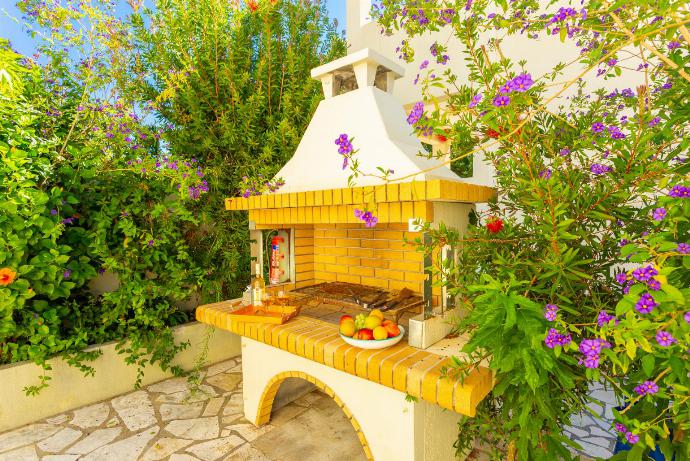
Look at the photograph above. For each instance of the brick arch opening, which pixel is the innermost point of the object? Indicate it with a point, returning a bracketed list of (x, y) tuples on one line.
[(271, 389)]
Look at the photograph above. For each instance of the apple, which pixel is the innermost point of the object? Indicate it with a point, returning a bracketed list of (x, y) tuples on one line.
[(346, 317), (366, 334)]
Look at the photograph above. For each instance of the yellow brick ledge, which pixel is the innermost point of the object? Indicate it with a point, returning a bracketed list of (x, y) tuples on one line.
[(401, 367), (436, 190)]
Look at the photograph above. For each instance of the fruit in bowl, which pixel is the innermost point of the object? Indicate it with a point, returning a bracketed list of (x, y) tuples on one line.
[(370, 331)]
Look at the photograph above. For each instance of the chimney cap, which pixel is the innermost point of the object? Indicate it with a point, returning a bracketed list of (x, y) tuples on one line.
[(366, 55)]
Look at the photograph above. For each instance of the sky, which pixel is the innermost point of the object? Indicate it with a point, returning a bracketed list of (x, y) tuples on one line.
[(24, 44)]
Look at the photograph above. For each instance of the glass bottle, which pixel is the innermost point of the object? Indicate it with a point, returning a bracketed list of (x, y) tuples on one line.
[(258, 286)]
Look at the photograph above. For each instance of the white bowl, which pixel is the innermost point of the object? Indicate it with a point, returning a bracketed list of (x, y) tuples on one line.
[(375, 343)]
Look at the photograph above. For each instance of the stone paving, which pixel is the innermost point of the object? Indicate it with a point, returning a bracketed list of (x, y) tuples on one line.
[(593, 431), (167, 421)]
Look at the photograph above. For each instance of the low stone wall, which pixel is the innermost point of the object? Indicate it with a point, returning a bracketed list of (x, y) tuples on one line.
[(70, 389)]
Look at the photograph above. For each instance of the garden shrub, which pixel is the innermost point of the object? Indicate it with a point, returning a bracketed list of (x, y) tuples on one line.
[(70, 208), (579, 271), (120, 139), (239, 101)]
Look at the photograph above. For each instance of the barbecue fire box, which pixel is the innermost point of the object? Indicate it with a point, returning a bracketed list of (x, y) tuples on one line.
[(313, 246)]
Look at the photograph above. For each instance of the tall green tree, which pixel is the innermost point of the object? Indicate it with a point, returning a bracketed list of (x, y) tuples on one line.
[(232, 82)]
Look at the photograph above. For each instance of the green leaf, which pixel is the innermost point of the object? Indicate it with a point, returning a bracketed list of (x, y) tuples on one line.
[(648, 365), (674, 293), (631, 348)]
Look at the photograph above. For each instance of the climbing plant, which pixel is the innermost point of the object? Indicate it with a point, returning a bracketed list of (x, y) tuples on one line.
[(579, 270)]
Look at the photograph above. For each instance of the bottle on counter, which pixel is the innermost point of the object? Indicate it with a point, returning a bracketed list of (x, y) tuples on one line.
[(258, 286)]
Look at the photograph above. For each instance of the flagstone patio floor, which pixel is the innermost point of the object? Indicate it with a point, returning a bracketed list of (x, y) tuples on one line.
[(167, 421), (170, 421)]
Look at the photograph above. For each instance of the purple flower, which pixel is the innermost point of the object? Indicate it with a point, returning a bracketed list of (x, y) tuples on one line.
[(645, 304), (563, 152), (501, 101), (67, 274), (151, 242), (654, 122), (673, 45), (616, 132), (665, 339), (369, 219), (683, 248), (53, 212), (554, 338), (687, 317), (599, 169), (598, 127), (659, 214), (67, 221), (604, 318), (644, 274), (505, 89), (654, 284), (545, 174), (344, 143), (522, 83), (550, 312), (424, 64), (590, 347), (476, 99), (647, 388), (591, 361), (631, 438), (612, 62), (627, 93), (679, 191), (416, 113), (621, 428)]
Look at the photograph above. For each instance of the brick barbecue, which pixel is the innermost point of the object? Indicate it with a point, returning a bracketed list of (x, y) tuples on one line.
[(331, 252)]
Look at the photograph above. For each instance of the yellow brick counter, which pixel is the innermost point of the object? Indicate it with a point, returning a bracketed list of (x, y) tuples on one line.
[(401, 367)]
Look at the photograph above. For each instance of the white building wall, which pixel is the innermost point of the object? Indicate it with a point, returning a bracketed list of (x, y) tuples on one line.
[(541, 56)]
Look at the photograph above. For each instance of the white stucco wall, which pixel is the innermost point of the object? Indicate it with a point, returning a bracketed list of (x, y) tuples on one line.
[(541, 56)]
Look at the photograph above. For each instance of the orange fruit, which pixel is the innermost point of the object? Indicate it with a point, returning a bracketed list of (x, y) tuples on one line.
[(347, 328), (392, 330), (346, 317), (372, 322), (386, 322), (380, 333), (376, 313)]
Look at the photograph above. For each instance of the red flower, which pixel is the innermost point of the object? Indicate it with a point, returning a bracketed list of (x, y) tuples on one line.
[(252, 4), (492, 133), (7, 276), (441, 138), (494, 225)]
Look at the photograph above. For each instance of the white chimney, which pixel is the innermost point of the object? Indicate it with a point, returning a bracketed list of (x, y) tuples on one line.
[(359, 102)]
